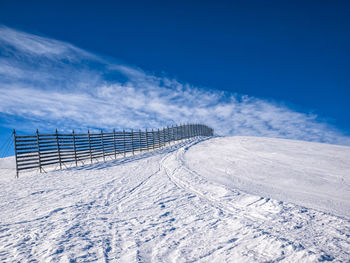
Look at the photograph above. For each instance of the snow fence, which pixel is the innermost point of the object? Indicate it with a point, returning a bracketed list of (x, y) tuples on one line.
[(41, 150)]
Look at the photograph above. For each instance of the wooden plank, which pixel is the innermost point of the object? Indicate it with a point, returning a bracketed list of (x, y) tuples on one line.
[(25, 137), (28, 163), (26, 144), (26, 156), (29, 167)]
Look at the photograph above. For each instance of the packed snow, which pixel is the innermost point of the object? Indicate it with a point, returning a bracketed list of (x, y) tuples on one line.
[(225, 199), (314, 175)]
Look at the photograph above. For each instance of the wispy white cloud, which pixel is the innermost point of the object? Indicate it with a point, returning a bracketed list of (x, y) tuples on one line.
[(45, 83)]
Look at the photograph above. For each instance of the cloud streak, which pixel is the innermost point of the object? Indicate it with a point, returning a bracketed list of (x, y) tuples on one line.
[(45, 83)]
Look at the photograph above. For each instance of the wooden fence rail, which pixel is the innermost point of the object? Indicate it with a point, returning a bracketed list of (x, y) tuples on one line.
[(40, 150)]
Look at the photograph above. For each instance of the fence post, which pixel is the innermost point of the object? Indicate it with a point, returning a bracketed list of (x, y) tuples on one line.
[(90, 152), (168, 130), (176, 133), (124, 143), (171, 138), (159, 145), (156, 133), (174, 137), (38, 145), (163, 136), (103, 146), (15, 143), (58, 150), (147, 140), (159, 139), (140, 144), (114, 145), (132, 141), (153, 140), (185, 131), (182, 130), (75, 149)]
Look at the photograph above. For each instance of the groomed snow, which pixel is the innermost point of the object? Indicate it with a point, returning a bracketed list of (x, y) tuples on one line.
[(219, 200), (314, 175)]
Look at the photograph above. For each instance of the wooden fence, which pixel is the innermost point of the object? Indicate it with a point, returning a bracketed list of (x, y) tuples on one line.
[(40, 150)]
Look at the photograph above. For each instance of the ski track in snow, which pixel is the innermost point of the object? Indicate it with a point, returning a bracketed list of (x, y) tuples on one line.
[(154, 208)]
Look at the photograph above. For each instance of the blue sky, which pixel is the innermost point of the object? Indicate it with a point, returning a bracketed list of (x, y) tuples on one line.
[(266, 68)]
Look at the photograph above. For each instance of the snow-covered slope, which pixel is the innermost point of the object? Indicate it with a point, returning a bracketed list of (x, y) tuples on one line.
[(311, 174), (200, 201)]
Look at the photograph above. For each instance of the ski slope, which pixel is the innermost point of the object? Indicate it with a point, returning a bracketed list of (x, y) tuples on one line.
[(229, 199), (310, 174)]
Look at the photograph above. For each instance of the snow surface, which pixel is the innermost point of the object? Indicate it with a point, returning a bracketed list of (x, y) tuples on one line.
[(231, 199), (315, 175)]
